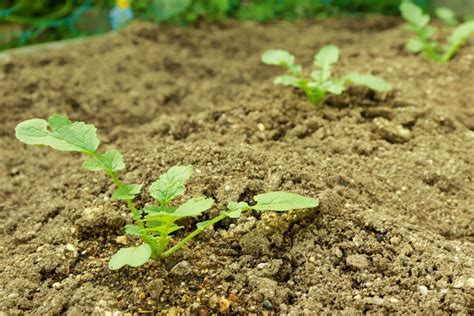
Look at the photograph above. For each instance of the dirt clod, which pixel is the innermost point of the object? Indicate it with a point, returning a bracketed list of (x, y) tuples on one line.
[(181, 268), (357, 261), (155, 289), (392, 133)]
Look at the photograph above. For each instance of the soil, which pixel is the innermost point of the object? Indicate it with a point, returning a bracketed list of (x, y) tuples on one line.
[(393, 172)]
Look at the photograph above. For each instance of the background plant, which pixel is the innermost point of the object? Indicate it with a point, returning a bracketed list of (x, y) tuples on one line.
[(319, 82), (154, 223), (46, 20), (424, 41)]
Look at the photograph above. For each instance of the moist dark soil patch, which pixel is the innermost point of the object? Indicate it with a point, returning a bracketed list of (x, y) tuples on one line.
[(393, 172)]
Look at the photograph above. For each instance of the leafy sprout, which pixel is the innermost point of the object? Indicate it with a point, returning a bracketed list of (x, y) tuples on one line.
[(155, 223), (424, 42), (320, 81)]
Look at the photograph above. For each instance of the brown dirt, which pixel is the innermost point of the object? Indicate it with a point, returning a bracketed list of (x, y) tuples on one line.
[(393, 172)]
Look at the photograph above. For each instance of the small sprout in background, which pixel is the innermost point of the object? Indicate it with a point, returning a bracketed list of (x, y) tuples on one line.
[(319, 82), (424, 43), (155, 223)]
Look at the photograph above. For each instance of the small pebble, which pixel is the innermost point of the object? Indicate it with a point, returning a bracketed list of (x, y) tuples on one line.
[(357, 261), (390, 132), (393, 300), (233, 298), (155, 288), (267, 305), (224, 305), (12, 296), (262, 265), (181, 268), (374, 300), (122, 240), (213, 301), (71, 247), (338, 252), (470, 283), (423, 290)]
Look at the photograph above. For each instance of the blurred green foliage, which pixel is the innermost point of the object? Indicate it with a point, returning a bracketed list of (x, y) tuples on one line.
[(190, 11), (45, 20)]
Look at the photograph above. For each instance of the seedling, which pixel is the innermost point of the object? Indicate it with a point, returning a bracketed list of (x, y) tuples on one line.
[(424, 42), (155, 223), (320, 82)]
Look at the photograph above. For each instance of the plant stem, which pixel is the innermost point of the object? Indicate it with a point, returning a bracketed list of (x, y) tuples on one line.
[(183, 241), (119, 184), (153, 245), (163, 240)]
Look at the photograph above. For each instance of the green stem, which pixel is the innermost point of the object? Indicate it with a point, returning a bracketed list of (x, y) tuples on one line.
[(153, 245), (314, 95), (119, 184), (430, 48), (183, 241), (163, 240)]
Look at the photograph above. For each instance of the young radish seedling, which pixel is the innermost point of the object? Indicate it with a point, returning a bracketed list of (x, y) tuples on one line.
[(424, 43), (154, 223), (320, 82)]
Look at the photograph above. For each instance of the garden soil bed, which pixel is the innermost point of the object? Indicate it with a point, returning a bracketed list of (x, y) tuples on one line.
[(393, 172)]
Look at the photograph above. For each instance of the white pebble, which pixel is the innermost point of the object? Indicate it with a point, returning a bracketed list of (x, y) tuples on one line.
[(423, 290), (262, 265)]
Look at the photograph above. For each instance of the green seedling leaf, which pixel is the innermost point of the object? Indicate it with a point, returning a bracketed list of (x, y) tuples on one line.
[(58, 133), (162, 217), (278, 57), (334, 87), (296, 69), (236, 208), (56, 121), (461, 33), (133, 230), (282, 201), (371, 81), (288, 80), (327, 55), (414, 14), (458, 37), (414, 45), (447, 16), (316, 75), (151, 209), (429, 31), (194, 207), (132, 256), (164, 230), (127, 192), (325, 58), (109, 161), (171, 184)]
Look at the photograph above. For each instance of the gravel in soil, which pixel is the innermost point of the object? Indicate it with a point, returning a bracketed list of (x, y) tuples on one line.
[(393, 172)]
